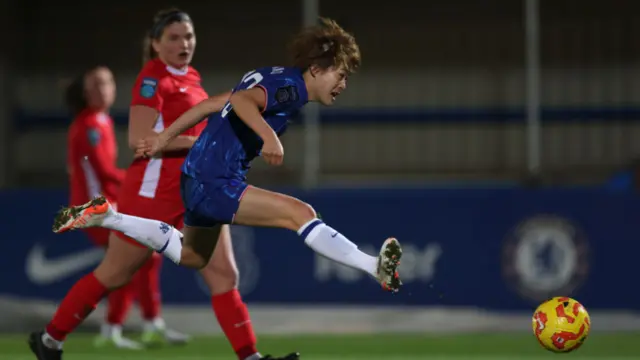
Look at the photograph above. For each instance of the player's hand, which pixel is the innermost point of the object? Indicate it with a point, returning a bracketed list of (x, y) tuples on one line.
[(150, 146), (143, 148), (272, 151)]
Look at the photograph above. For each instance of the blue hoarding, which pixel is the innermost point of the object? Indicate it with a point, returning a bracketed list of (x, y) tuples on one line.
[(496, 249)]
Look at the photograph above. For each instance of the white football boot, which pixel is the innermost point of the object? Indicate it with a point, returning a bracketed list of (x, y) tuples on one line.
[(388, 261), (111, 336)]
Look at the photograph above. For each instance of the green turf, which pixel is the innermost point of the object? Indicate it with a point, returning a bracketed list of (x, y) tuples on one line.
[(371, 347)]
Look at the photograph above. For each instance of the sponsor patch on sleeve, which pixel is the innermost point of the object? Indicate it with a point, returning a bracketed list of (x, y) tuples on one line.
[(94, 137), (148, 87)]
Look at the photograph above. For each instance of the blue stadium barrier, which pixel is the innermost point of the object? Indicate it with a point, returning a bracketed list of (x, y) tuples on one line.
[(25, 120), (503, 249)]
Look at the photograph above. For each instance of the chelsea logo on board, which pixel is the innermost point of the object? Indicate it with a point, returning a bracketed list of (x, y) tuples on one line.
[(545, 256)]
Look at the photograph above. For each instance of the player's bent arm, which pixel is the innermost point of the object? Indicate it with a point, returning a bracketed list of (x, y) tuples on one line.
[(142, 120), (247, 105), (195, 115)]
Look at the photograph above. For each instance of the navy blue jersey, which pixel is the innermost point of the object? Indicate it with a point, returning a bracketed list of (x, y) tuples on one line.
[(227, 145)]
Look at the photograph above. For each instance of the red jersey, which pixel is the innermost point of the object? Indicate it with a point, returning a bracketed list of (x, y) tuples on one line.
[(91, 157), (171, 92)]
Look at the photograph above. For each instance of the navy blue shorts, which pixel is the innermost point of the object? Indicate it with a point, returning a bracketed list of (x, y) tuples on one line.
[(208, 204)]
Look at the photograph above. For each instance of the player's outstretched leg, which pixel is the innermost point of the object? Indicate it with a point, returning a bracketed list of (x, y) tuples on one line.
[(154, 234), (259, 207)]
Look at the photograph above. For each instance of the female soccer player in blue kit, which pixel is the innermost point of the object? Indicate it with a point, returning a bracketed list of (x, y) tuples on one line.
[(213, 184)]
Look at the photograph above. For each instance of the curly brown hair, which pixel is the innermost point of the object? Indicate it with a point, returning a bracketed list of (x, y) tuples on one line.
[(325, 45)]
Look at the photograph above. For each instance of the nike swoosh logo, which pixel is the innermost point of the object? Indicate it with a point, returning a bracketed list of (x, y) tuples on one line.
[(334, 234), (240, 324), (43, 271), (183, 89)]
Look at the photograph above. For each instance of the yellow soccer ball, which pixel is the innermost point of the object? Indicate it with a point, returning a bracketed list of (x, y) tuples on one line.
[(561, 324)]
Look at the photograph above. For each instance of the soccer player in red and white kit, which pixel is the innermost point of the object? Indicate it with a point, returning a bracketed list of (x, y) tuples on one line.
[(166, 87), (91, 144), (91, 159)]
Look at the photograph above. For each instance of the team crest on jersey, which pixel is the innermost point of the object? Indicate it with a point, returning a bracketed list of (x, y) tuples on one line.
[(286, 94), (93, 136), (148, 87)]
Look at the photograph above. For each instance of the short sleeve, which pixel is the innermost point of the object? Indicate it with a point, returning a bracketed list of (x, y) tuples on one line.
[(147, 90), (280, 94)]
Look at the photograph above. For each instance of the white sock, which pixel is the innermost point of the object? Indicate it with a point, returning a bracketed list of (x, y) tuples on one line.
[(111, 330), (155, 234), (105, 330), (255, 356), (50, 342), (153, 325), (329, 243)]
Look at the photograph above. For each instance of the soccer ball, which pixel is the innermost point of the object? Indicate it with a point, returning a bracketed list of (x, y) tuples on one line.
[(561, 324)]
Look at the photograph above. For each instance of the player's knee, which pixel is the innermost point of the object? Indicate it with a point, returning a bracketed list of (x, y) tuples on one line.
[(220, 278), (113, 277), (118, 267), (300, 214)]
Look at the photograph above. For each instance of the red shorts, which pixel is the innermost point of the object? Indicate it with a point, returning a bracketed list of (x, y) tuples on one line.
[(171, 213)]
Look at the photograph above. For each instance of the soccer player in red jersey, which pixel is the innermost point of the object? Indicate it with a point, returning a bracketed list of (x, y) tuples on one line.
[(92, 149), (165, 88), (91, 160)]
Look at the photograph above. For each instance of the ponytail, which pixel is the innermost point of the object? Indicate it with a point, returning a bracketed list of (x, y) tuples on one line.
[(148, 52), (74, 95)]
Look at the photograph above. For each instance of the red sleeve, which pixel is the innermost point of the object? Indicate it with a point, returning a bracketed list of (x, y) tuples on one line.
[(147, 90), (98, 150)]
